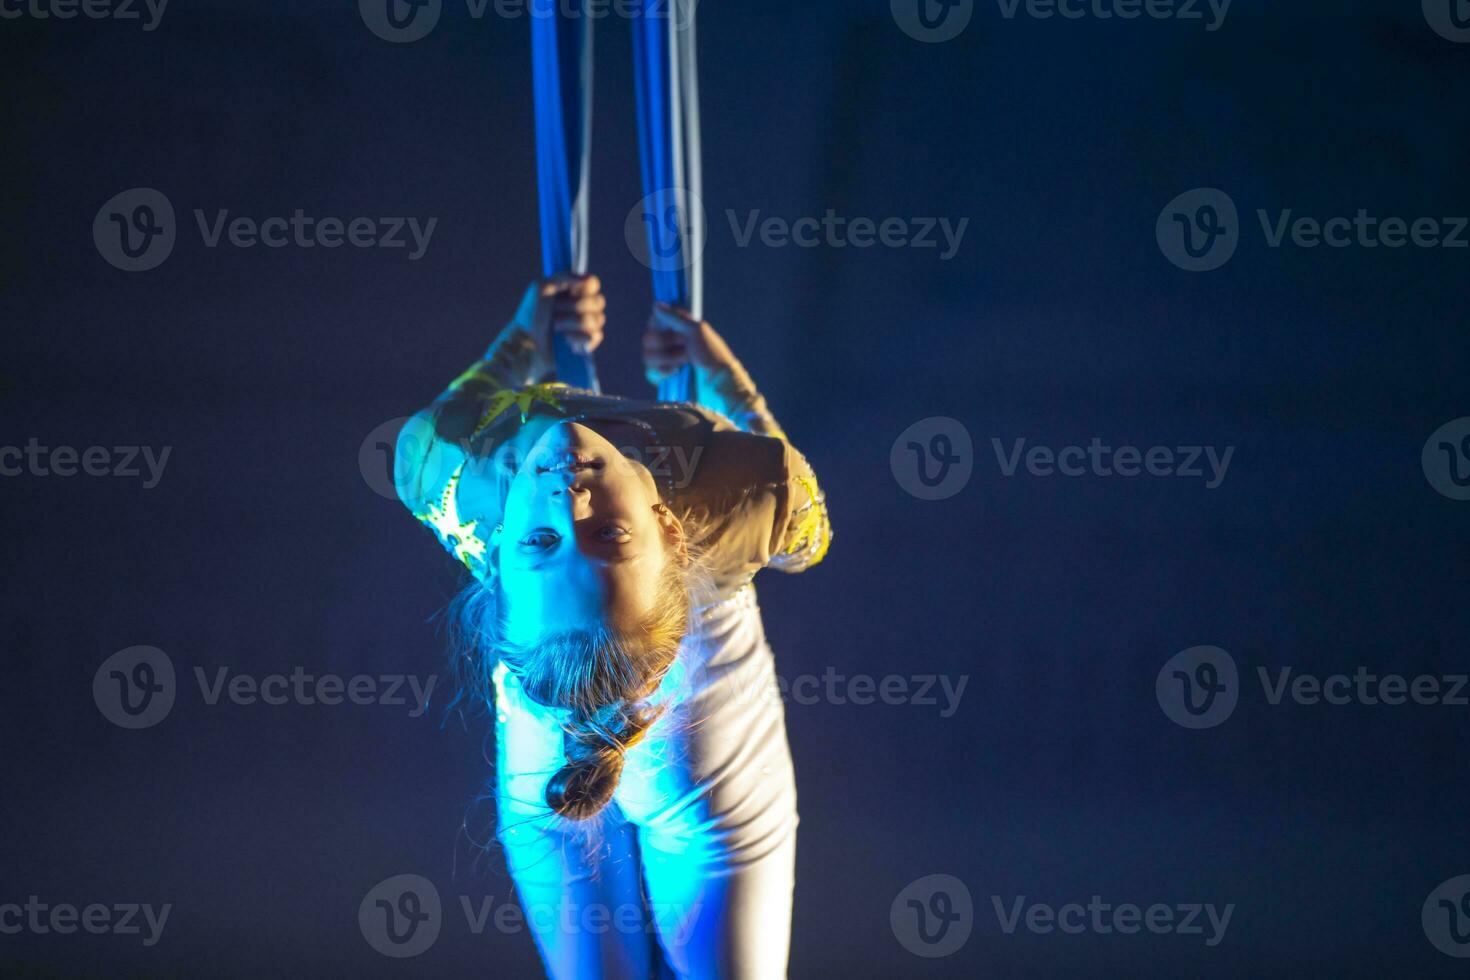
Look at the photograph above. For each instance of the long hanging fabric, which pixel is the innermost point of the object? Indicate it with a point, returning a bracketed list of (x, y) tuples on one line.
[(667, 79), (561, 67)]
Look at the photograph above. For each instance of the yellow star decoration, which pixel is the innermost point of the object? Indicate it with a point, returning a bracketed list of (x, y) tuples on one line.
[(458, 535), (522, 399), (811, 523)]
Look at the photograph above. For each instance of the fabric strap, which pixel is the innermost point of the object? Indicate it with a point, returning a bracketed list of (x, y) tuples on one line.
[(667, 80), (561, 66), (667, 86)]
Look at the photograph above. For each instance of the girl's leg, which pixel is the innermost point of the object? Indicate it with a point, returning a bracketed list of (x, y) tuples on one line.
[(714, 797), (722, 917), (580, 890)]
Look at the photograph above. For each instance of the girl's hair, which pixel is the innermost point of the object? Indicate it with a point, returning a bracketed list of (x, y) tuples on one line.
[(604, 678)]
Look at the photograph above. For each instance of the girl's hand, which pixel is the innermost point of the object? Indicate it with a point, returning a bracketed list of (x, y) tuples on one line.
[(572, 306), (674, 338)]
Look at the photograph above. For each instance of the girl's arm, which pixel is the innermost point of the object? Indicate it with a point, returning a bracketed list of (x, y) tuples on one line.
[(674, 338)]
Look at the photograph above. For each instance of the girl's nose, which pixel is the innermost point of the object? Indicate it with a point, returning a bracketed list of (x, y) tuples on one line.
[(579, 498)]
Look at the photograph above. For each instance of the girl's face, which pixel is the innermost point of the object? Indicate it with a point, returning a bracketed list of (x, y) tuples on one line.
[(584, 539)]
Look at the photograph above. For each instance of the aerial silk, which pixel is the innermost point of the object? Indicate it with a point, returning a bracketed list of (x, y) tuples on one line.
[(666, 80), (561, 67)]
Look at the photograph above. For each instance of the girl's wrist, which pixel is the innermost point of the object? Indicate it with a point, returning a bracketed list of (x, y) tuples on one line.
[(514, 357)]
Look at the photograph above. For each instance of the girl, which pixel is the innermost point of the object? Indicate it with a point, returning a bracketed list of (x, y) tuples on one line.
[(644, 787)]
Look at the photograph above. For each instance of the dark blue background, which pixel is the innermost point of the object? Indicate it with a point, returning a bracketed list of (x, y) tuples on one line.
[(263, 548)]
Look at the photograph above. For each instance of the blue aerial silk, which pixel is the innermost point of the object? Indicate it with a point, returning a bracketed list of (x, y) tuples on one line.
[(667, 80), (666, 69), (561, 67)]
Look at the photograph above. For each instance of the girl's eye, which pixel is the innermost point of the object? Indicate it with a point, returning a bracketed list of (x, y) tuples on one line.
[(612, 532), (540, 541)]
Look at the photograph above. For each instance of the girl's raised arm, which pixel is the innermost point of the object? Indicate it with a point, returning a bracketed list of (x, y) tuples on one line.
[(673, 339)]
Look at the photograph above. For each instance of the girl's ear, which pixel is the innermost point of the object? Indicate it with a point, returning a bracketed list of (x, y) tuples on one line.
[(674, 534)]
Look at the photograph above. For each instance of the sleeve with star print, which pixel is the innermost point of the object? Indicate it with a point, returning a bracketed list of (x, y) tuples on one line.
[(447, 486), (808, 531), (804, 532)]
